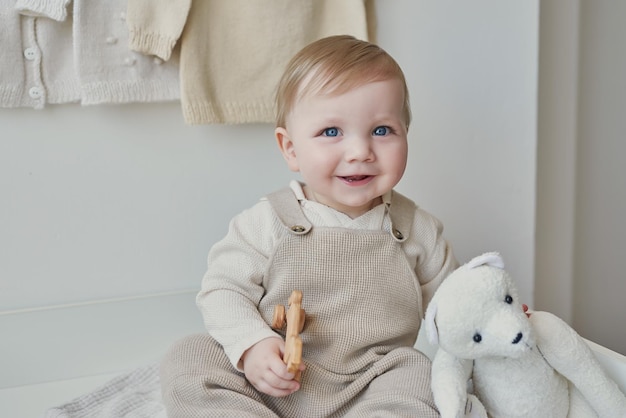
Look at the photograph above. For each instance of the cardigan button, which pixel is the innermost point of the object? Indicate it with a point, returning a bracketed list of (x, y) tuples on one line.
[(398, 234), (298, 228), (30, 54), (35, 92)]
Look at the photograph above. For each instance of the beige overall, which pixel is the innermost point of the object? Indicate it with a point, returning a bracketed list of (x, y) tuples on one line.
[(363, 307)]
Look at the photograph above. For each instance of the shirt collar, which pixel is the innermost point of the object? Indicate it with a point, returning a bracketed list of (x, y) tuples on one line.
[(296, 186)]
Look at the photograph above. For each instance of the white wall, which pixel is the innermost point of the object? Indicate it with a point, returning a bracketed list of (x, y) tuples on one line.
[(600, 234), (581, 178), (556, 157), (114, 201), (472, 68)]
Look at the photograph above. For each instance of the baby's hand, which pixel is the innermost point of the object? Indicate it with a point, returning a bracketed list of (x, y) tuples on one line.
[(265, 369)]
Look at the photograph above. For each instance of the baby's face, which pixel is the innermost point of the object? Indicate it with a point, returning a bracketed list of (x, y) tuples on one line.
[(350, 148)]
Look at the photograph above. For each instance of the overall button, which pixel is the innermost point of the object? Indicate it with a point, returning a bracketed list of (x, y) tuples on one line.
[(30, 53), (35, 92)]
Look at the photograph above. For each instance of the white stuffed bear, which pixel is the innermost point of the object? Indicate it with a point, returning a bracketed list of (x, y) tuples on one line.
[(518, 366)]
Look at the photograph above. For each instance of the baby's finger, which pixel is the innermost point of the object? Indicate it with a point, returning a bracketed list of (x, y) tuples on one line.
[(265, 387), (277, 386), (279, 368)]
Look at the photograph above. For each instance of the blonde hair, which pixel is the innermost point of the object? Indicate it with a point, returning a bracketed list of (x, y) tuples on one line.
[(335, 65)]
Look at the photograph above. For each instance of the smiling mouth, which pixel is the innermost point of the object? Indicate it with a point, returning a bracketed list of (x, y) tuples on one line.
[(354, 179)]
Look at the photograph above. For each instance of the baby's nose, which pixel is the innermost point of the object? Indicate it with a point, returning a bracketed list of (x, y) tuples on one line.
[(358, 149)]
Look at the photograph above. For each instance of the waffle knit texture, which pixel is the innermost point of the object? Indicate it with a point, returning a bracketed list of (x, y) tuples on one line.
[(63, 51), (232, 53), (241, 260), (365, 290)]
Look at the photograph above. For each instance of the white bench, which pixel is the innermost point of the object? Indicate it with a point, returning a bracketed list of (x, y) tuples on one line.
[(51, 356)]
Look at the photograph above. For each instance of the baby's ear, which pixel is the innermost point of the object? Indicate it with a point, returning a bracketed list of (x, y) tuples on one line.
[(429, 323), (286, 146)]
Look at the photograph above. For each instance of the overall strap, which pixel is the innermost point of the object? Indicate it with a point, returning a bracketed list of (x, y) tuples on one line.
[(288, 210), (401, 213)]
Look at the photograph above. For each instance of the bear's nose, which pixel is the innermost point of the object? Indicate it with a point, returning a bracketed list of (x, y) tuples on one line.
[(518, 338)]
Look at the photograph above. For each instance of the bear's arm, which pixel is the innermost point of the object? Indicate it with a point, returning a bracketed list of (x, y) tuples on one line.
[(570, 355), (449, 383)]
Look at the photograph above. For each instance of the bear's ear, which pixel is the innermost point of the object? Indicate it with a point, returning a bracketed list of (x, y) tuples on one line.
[(429, 323), (492, 259)]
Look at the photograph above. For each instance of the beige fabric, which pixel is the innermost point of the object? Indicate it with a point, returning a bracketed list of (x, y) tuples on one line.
[(363, 303), (233, 284), (233, 52), (199, 382)]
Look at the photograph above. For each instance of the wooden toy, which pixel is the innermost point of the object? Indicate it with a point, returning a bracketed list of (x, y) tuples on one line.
[(294, 318)]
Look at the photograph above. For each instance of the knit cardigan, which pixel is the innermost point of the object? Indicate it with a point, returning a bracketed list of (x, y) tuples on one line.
[(61, 51), (233, 52)]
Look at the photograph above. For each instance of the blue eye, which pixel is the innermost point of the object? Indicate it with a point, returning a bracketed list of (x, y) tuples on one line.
[(331, 132), (381, 131)]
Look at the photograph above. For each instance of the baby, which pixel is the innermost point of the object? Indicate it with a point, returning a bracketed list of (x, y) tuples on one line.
[(366, 258)]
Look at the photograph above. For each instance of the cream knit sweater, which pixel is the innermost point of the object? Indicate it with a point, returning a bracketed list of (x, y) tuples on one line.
[(232, 52)]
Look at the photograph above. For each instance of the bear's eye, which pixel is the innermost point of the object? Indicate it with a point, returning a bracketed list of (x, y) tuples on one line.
[(508, 299), (477, 338)]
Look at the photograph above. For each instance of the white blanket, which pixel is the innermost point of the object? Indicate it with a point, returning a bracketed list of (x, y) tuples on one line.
[(136, 394)]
